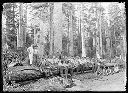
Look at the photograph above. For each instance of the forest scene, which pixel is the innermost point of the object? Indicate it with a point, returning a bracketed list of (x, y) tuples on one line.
[(55, 40)]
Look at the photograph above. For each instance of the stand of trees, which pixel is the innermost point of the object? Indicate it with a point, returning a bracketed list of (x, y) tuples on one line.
[(81, 29)]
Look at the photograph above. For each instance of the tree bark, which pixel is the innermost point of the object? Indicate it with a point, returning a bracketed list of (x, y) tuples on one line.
[(57, 25), (25, 24), (83, 43), (71, 34), (80, 42), (20, 31), (100, 32), (51, 30)]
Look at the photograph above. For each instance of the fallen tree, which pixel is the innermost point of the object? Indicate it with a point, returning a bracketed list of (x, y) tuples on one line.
[(22, 73)]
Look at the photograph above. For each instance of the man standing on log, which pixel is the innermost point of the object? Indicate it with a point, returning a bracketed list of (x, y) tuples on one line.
[(30, 51), (98, 57)]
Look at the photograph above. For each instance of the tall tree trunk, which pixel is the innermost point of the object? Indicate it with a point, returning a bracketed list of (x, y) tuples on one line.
[(20, 31), (51, 30), (82, 38), (124, 49), (34, 35), (100, 31), (71, 34), (14, 23), (43, 33), (57, 24), (25, 24), (96, 38)]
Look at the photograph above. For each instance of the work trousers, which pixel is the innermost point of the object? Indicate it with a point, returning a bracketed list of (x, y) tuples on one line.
[(35, 60), (82, 68), (31, 58), (64, 71)]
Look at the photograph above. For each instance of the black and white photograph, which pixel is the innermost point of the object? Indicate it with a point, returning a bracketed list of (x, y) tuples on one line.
[(63, 46)]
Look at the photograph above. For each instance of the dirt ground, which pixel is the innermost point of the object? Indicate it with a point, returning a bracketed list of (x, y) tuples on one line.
[(83, 82), (115, 82)]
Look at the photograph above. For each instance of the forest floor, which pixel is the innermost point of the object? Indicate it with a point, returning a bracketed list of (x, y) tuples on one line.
[(83, 82), (115, 82)]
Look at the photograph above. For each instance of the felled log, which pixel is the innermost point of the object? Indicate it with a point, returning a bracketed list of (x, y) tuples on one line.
[(23, 73), (14, 64)]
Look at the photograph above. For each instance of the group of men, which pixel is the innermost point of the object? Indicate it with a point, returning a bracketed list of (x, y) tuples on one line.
[(60, 59), (64, 62), (67, 64)]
